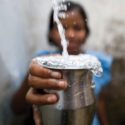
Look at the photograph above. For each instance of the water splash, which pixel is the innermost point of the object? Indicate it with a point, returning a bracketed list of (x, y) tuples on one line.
[(57, 7), (81, 61)]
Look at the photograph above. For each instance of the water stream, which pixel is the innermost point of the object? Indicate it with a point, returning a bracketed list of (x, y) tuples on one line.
[(57, 7)]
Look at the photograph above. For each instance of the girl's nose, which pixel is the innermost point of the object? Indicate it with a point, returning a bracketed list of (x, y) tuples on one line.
[(69, 33)]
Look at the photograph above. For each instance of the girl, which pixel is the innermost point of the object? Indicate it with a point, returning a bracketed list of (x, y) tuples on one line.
[(76, 31)]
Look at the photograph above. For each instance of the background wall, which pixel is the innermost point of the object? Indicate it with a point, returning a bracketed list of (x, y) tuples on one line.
[(24, 24), (14, 53)]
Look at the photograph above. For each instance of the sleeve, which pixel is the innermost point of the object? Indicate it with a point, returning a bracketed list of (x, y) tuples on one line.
[(41, 53)]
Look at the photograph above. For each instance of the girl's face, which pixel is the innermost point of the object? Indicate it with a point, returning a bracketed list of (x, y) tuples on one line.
[(75, 32)]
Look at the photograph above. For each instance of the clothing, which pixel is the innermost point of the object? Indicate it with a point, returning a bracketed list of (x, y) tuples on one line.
[(106, 62)]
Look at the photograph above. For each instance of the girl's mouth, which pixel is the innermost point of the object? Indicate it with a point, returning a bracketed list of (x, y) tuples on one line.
[(73, 49)]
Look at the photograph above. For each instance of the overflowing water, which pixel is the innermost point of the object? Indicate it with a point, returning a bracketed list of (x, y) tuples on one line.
[(81, 61)]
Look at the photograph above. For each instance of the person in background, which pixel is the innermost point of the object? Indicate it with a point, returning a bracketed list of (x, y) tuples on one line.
[(38, 77), (111, 108)]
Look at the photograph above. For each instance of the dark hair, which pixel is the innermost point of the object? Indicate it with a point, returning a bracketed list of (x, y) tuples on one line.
[(70, 6)]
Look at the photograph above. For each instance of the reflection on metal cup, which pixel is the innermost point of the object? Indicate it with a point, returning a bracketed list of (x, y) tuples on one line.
[(76, 103)]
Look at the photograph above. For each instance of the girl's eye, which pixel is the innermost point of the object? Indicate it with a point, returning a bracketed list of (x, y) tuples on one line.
[(78, 27), (65, 27)]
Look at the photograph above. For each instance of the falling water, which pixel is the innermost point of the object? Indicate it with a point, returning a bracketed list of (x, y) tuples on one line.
[(64, 42)]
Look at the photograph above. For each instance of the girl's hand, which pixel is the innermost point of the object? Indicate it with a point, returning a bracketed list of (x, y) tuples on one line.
[(41, 78)]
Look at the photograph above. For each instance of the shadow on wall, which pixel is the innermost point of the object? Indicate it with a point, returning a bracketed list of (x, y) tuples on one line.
[(115, 38)]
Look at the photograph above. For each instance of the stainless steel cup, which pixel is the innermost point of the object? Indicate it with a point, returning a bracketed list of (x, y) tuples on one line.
[(76, 104)]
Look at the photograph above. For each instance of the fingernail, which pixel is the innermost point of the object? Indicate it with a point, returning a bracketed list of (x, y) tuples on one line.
[(56, 75), (52, 98), (62, 84)]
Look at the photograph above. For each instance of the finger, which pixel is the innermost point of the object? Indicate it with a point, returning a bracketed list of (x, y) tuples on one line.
[(39, 83), (35, 98), (37, 115), (38, 70)]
